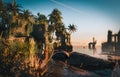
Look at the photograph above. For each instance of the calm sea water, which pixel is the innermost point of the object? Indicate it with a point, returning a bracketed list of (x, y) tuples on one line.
[(92, 52)]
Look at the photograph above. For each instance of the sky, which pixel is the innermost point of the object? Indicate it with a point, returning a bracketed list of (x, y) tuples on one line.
[(93, 18)]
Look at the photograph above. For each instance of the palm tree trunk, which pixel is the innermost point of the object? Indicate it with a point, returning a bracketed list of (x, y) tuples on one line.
[(14, 11), (46, 41), (46, 46), (1, 34), (44, 63)]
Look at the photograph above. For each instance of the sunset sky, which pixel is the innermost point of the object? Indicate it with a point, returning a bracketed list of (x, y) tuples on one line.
[(93, 18)]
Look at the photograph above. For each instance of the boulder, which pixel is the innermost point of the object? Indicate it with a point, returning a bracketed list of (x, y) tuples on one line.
[(88, 63), (60, 56)]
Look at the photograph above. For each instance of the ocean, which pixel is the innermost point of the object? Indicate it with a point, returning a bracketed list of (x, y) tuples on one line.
[(91, 52)]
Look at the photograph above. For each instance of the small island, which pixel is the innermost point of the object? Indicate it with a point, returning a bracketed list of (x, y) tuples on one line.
[(39, 45), (27, 41)]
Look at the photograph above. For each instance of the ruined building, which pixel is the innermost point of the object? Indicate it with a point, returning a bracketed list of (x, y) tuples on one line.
[(113, 42), (91, 45)]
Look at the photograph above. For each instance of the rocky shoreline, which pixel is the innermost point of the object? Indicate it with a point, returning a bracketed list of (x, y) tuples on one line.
[(77, 60), (61, 69)]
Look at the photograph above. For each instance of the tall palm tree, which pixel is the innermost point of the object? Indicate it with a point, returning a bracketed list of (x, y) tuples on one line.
[(55, 17), (14, 8), (55, 21), (65, 37), (71, 28)]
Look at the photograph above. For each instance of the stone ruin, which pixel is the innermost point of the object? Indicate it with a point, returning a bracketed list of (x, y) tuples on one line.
[(113, 42), (91, 45)]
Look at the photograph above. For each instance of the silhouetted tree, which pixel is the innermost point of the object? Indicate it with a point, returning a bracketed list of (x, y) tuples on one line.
[(72, 28), (1, 6), (13, 7), (55, 20)]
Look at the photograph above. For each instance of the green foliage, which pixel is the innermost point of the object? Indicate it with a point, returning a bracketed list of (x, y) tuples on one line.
[(72, 28), (12, 55), (41, 18), (13, 7), (55, 17), (20, 48), (26, 14)]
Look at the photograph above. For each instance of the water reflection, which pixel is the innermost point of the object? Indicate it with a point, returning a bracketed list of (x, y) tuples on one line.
[(97, 52), (94, 51)]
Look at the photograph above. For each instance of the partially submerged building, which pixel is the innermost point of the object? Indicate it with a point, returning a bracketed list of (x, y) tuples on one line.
[(91, 45), (113, 42)]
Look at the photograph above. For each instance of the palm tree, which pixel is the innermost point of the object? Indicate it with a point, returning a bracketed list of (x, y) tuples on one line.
[(72, 28), (55, 22), (41, 18), (65, 37), (11, 12), (56, 25), (1, 5), (13, 7), (26, 14), (55, 17), (16, 8)]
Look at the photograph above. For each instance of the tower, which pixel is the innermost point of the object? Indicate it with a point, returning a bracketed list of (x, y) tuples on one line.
[(109, 37)]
